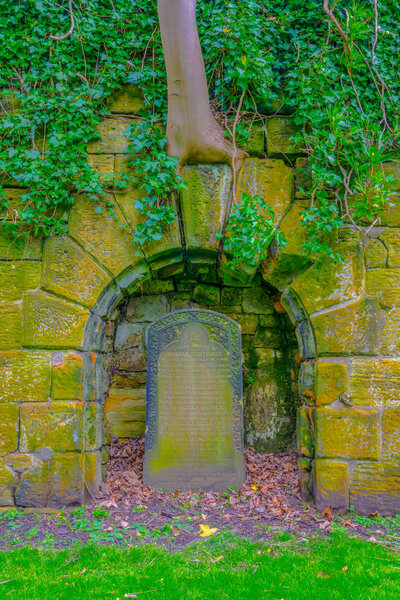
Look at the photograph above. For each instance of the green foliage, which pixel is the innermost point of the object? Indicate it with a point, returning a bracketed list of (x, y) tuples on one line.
[(250, 230), (346, 93)]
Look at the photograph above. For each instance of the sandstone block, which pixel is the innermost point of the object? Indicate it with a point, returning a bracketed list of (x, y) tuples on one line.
[(327, 283), (25, 376), (51, 425), (391, 216), (68, 271), (303, 177), (331, 381), (307, 382), (67, 376), (375, 382), (256, 301), (391, 435), (34, 485), (206, 294), (133, 359), (331, 485), (128, 100), (93, 426), (270, 179), (280, 130), (17, 277), (354, 329), (129, 335), (113, 139), (375, 254), (10, 326), (104, 165), (248, 323), (146, 309), (92, 474), (105, 236), (50, 322), (231, 296), (7, 485), (125, 412), (384, 284), (66, 480), (204, 203), (391, 239), (375, 487), (305, 477), (9, 427), (351, 433), (390, 332), (305, 441)]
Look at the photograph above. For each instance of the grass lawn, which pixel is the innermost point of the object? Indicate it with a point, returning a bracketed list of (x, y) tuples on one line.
[(220, 567)]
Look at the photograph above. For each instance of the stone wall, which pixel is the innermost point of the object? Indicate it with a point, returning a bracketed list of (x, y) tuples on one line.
[(60, 297), (269, 360)]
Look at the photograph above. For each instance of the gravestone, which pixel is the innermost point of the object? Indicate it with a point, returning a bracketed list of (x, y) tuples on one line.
[(194, 417)]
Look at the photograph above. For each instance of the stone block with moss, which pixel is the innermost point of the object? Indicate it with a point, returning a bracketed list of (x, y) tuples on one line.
[(112, 138), (70, 272), (102, 233), (375, 382), (331, 485), (10, 326), (9, 427), (7, 485), (351, 433), (17, 277), (50, 322), (20, 247), (256, 301), (206, 294), (280, 130), (384, 284), (34, 486), (375, 488), (204, 203), (125, 412), (375, 254), (55, 425), (25, 376), (66, 381), (304, 431), (66, 480), (331, 381), (354, 329), (127, 100), (270, 179)]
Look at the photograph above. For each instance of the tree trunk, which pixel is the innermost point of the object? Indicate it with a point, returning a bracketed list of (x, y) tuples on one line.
[(193, 134)]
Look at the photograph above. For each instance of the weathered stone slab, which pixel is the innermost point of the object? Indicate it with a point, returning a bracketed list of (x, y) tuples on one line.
[(391, 239), (327, 282), (104, 165), (206, 294), (375, 488), (146, 309), (128, 100), (34, 485), (66, 480), (66, 381), (391, 216), (93, 426), (70, 272), (305, 440), (391, 435), (280, 130), (375, 382), (10, 326), (384, 284), (113, 139), (51, 425), (108, 239), (17, 277), (129, 335), (351, 433), (50, 322), (390, 337), (257, 301), (7, 485), (25, 376), (204, 203), (125, 412), (270, 179), (194, 430), (375, 254), (353, 329), (331, 485), (331, 381), (9, 427)]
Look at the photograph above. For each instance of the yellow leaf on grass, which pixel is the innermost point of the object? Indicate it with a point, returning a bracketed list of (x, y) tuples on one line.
[(206, 530), (254, 488)]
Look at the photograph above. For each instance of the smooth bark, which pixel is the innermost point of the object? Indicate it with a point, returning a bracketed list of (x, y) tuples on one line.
[(193, 133)]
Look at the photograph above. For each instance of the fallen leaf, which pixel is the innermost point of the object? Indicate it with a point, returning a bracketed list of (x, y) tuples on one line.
[(214, 560), (345, 568), (206, 530), (124, 524), (254, 488), (82, 572), (276, 501), (204, 517), (374, 514), (327, 512), (373, 539), (323, 575), (130, 596)]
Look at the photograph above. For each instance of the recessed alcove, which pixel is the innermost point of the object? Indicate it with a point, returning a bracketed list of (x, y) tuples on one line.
[(269, 352)]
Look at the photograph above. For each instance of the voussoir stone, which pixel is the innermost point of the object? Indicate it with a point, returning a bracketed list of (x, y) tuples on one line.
[(108, 239), (270, 179), (203, 204), (50, 322), (70, 272)]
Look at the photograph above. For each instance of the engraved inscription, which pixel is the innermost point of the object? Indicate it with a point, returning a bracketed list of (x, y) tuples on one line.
[(194, 419)]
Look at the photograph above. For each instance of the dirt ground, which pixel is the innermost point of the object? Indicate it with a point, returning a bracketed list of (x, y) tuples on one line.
[(268, 506)]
